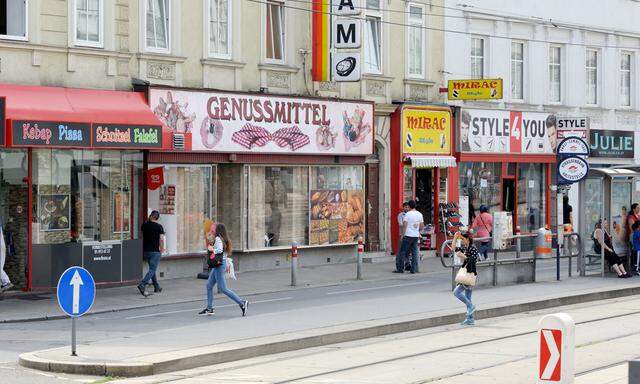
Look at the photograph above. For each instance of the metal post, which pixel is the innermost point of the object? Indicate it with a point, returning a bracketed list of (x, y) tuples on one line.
[(559, 230), (294, 264), (73, 336), (359, 258), (495, 268), (518, 242), (535, 264), (602, 257), (569, 241)]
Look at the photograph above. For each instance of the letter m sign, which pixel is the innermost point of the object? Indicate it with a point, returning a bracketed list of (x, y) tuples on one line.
[(347, 34)]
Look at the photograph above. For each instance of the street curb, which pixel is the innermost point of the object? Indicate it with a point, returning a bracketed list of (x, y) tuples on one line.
[(198, 357)]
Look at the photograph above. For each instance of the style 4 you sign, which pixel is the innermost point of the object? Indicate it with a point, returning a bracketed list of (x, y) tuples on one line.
[(251, 123)]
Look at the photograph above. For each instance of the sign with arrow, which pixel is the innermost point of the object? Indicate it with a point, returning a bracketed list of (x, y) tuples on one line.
[(550, 345), (556, 349), (76, 291)]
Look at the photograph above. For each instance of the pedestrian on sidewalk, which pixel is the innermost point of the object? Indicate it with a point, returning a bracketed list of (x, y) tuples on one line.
[(468, 253), (482, 225), (636, 244), (5, 281), (405, 209), (601, 236), (632, 218), (217, 260), (412, 224), (153, 244)]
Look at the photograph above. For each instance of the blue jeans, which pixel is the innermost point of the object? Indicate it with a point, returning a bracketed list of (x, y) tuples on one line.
[(409, 244), (153, 260), (216, 275), (463, 294), (483, 249)]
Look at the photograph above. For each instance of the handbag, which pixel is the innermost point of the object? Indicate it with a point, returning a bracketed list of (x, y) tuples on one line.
[(465, 278), (485, 226), (214, 260)]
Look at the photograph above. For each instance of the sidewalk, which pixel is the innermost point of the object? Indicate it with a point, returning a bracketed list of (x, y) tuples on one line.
[(33, 306)]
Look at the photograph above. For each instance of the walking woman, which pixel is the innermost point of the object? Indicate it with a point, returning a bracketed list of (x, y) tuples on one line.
[(468, 253), (217, 260), (601, 236)]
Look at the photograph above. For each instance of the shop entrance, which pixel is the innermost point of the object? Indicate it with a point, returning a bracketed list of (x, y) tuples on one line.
[(508, 194), (424, 193), (14, 220)]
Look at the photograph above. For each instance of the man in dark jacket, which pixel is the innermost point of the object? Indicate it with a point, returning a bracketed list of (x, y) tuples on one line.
[(152, 246)]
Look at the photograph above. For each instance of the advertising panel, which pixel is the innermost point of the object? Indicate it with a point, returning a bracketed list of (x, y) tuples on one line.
[(337, 216), (609, 143), (252, 123), (481, 89), (496, 131), (426, 131)]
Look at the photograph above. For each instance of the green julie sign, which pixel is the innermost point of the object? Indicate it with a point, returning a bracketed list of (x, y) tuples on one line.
[(608, 143)]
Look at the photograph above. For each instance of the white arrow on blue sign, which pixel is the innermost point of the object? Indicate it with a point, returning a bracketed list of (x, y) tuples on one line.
[(76, 291)]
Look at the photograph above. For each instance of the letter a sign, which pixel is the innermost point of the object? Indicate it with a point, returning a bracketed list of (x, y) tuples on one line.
[(556, 349), (346, 7)]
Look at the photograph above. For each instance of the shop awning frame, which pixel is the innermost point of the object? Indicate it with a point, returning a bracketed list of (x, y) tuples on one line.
[(617, 172), (432, 161)]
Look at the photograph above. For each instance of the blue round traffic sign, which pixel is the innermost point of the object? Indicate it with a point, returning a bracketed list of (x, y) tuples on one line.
[(76, 291)]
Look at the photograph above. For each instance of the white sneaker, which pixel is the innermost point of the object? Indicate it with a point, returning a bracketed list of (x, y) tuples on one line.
[(6, 287)]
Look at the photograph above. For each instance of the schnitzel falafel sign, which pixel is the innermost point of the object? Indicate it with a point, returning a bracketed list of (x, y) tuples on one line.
[(256, 123)]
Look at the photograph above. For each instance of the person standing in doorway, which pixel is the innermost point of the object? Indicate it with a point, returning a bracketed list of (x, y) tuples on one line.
[(153, 241), (482, 225), (217, 260), (412, 224)]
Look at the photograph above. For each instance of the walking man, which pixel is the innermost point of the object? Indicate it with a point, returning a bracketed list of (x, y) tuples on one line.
[(412, 224), (153, 246)]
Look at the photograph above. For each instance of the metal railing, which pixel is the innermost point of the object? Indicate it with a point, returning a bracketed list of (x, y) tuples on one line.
[(572, 248)]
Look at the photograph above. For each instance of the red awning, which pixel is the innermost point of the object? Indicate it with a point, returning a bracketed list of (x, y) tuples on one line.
[(76, 105)]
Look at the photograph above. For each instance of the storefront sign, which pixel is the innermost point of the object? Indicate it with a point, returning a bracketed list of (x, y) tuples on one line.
[(573, 127), (155, 178), (250, 123), (482, 89), (573, 146), (2, 119), (495, 131), (572, 169), (124, 136), (103, 260), (426, 131), (48, 133), (608, 143)]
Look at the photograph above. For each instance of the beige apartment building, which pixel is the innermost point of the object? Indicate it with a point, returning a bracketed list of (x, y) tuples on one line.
[(256, 46)]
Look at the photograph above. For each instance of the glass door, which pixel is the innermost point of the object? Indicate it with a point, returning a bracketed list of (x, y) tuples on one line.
[(620, 205)]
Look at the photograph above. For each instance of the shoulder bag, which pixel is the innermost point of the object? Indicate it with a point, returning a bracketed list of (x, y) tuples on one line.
[(214, 260), (465, 278)]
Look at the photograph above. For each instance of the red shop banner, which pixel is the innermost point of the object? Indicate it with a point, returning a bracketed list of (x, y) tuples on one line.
[(155, 178)]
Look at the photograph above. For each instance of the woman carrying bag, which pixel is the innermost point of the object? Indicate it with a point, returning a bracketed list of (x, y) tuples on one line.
[(466, 277), (216, 259)]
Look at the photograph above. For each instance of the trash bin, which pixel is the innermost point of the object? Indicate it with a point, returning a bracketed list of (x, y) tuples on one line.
[(544, 243)]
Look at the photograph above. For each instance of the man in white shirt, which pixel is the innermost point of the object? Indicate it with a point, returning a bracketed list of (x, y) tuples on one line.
[(412, 224)]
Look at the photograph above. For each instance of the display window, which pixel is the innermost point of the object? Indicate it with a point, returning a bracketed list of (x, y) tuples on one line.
[(531, 196), (482, 183), (184, 201)]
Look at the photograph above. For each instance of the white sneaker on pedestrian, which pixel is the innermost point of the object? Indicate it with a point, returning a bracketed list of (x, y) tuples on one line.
[(6, 287)]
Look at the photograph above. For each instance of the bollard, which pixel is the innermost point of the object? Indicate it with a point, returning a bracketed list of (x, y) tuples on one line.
[(294, 264), (359, 258), (556, 349), (518, 242)]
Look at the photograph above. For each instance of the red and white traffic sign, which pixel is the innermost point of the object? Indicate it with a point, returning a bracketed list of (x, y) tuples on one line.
[(556, 335)]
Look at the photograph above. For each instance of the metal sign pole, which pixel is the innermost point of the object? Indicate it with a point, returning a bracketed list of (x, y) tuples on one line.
[(73, 336), (560, 229)]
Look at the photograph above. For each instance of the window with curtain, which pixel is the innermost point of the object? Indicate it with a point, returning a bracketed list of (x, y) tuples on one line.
[(89, 22), (517, 70), (625, 79), (220, 28), (416, 41), (157, 25), (477, 58), (373, 38), (275, 33), (278, 206), (555, 73), (592, 76), (13, 19)]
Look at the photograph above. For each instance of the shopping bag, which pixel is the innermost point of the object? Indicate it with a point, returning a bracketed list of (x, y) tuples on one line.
[(230, 271)]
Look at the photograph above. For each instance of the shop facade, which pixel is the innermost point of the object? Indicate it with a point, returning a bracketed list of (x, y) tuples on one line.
[(71, 182), (505, 162), (276, 170), (422, 167)]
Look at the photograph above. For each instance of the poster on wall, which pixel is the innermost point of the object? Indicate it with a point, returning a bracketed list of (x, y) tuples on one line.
[(336, 216), (167, 200), (54, 212), (120, 212), (249, 123), (496, 131)]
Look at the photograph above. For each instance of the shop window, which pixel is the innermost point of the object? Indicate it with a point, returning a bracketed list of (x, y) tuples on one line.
[(278, 206), (13, 19), (482, 183), (184, 202), (220, 28), (157, 25), (275, 33), (531, 200), (88, 21), (337, 205)]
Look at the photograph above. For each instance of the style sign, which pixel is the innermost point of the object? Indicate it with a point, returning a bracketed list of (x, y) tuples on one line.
[(347, 34), (255, 123), (573, 127), (498, 131), (572, 170), (346, 7), (345, 66), (609, 143), (426, 130), (124, 136), (481, 89), (573, 146), (49, 133)]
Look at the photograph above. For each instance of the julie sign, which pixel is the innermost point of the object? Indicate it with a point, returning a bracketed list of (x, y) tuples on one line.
[(609, 143)]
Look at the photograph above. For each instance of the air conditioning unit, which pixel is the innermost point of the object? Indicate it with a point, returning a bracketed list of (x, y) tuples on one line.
[(178, 141)]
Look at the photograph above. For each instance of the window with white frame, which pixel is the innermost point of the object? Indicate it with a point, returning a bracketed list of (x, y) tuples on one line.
[(591, 67), (275, 33), (625, 79), (220, 28), (373, 38), (555, 73), (415, 41), (88, 20), (477, 58), (517, 70), (13, 19), (157, 25)]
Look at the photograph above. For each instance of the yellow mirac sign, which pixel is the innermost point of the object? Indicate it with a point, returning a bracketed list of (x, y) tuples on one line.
[(478, 89), (426, 130)]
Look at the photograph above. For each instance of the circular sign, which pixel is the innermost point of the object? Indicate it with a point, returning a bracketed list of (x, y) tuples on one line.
[(572, 170), (76, 291), (573, 146)]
